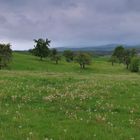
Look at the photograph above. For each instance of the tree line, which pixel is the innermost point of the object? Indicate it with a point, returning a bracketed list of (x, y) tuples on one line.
[(128, 57), (42, 50)]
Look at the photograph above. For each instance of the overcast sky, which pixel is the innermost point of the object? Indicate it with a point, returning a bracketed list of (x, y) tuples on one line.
[(69, 22)]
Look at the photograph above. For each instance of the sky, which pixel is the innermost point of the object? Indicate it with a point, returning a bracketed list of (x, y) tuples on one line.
[(69, 22)]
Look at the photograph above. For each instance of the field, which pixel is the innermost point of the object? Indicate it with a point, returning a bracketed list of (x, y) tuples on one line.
[(45, 101)]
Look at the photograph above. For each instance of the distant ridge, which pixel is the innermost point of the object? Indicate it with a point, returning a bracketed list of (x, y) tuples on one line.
[(105, 48)]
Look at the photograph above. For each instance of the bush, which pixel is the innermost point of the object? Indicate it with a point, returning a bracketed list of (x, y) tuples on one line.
[(134, 65)]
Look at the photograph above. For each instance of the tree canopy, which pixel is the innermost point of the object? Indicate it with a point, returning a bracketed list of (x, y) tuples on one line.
[(83, 59), (119, 53), (69, 55), (125, 56), (5, 55), (41, 49), (135, 64), (54, 55)]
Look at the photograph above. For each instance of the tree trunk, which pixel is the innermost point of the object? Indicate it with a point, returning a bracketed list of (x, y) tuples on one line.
[(127, 66), (83, 66), (112, 63)]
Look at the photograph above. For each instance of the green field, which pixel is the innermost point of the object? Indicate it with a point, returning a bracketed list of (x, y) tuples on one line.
[(45, 101)]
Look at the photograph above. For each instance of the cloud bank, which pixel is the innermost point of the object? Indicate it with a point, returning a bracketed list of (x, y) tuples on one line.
[(69, 22)]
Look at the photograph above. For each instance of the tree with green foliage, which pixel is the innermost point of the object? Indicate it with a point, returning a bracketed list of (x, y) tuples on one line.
[(5, 55), (119, 53), (41, 49), (83, 59), (133, 52), (69, 55), (113, 59), (134, 65), (55, 56), (53, 52), (127, 57), (123, 55)]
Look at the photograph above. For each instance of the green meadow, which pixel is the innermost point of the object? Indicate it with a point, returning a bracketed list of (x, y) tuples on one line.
[(40, 100)]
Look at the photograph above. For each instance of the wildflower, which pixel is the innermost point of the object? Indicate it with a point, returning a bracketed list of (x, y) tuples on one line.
[(131, 111), (65, 130), (30, 133), (20, 126)]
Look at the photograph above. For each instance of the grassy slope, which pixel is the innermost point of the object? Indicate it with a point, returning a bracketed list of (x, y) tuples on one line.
[(31, 63), (62, 102)]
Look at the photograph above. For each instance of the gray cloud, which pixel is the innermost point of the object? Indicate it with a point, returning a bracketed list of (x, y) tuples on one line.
[(68, 22)]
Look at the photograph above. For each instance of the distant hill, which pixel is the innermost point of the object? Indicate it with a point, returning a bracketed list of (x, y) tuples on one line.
[(101, 50)]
